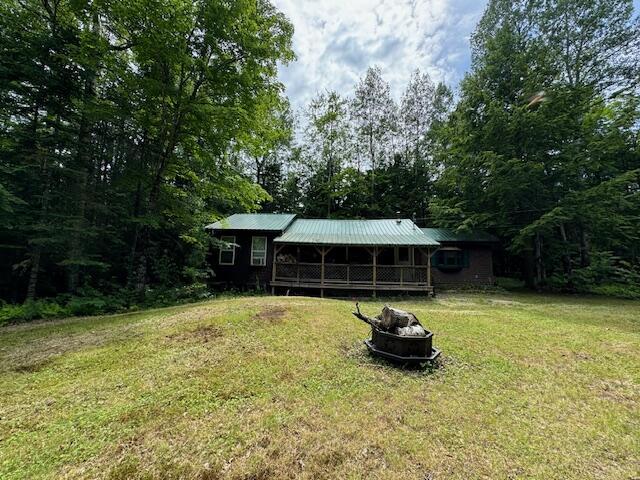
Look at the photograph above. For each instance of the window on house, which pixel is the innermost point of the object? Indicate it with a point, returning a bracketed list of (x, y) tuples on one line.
[(451, 259), (259, 251), (227, 255)]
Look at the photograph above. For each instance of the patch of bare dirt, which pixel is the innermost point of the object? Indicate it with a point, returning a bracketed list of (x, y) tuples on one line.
[(619, 391), (203, 333), (271, 314), (582, 356), (31, 366), (571, 354)]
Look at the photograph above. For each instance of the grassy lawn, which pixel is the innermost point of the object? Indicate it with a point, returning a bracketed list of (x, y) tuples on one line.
[(272, 387)]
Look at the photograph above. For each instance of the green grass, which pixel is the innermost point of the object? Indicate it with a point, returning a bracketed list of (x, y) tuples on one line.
[(272, 387)]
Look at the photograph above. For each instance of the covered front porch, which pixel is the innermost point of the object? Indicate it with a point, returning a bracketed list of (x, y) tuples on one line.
[(344, 267)]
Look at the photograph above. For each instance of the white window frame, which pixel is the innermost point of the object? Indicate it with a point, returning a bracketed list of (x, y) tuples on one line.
[(229, 239), (253, 264)]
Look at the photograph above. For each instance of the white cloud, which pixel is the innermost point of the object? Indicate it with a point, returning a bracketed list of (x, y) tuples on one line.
[(336, 40)]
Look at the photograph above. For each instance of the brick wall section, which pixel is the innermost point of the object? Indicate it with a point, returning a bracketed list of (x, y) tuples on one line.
[(479, 272)]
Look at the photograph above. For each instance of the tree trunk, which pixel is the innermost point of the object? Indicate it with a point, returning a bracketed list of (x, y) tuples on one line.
[(170, 140), (566, 257), (136, 233), (538, 261), (585, 246), (329, 180), (36, 252), (528, 269), (76, 250), (373, 176), (33, 273), (77, 245)]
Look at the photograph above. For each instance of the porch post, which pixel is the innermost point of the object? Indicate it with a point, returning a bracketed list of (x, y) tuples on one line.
[(322, 254), (276, 249), (428, 267), (298, 264), (347, 257), (375, 263)]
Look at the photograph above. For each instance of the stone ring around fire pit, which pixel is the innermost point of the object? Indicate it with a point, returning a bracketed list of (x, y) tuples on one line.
[(398, 336)]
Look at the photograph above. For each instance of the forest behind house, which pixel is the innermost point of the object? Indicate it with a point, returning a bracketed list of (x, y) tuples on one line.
[(128, 125)]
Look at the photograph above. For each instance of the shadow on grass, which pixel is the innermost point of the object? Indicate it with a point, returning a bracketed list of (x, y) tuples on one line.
[(359, 353)]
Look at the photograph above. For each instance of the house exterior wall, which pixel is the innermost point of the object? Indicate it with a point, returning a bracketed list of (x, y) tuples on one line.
[(478, 273), (242, 274)]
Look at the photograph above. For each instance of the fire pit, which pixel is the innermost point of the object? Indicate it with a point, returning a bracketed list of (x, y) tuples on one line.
[(398, 336)]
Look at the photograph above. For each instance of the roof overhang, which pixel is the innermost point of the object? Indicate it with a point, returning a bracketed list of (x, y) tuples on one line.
[(261, 222), (356, 233)]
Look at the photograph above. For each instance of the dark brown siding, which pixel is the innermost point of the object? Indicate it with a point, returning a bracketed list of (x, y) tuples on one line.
[(242, 274), (479, 272)]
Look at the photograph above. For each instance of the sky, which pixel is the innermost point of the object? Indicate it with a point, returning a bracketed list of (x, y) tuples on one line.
[(336, 40)]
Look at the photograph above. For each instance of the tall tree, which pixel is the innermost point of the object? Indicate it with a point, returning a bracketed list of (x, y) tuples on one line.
[(374, 115), (521, 140), (424, 106), (327, 148), (119, 127), (417, 111), (268, 145)]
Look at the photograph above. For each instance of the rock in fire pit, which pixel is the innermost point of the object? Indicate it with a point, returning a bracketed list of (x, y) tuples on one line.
[(398, 335)]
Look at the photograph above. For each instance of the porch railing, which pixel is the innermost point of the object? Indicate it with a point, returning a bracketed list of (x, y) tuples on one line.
[(351, 274)]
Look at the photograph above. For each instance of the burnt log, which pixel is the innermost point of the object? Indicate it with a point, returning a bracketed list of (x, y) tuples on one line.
[(392, 318), (394, 321), (373, 321)]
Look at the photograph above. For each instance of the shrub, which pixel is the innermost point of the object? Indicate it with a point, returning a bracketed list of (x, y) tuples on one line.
[(32, 310), (607, 275), (509, 283), (168, 296), (91, 302), (617, 290), (87, 306)]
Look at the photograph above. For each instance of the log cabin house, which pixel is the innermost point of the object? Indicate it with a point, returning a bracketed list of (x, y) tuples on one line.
[(282, 252)]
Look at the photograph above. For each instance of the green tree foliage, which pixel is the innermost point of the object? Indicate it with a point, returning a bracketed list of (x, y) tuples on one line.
[(366, 157), (126, 126), (542, 146), (374, 115), (327, 150), (267, 146), (121, 124)]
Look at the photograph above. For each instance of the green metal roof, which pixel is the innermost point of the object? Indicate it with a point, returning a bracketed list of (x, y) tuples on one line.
[(450, 235), (355, 232), (254, 221)]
